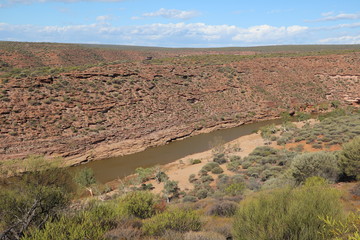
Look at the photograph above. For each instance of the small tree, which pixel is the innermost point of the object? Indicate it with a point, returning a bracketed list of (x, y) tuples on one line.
[(171, 189), (86, 178), (350, 158)]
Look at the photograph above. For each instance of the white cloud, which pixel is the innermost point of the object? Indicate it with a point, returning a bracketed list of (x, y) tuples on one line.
[(340, 26), (171, 34), (259, 33), (172, 13), (330, 16), (326, 14), (341, 40), (104, 18)]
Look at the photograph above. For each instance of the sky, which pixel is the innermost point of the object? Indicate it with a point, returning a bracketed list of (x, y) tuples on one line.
[(181, 23)]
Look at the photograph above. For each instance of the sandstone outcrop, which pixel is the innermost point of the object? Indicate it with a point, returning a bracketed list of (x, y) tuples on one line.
[(126, 107)]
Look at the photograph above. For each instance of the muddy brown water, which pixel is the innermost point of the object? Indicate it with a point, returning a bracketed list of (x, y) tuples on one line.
[(118, 167)]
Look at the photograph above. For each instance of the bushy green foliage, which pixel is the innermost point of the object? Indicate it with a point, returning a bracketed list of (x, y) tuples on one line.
[(195, 161), (140, 204), (210, 166), (217, 170), (267, 131), (348, 229), (223, 208), (235, 189), (174, 219), (192, 178), (85, 178), (220, 158), (90, 223), (144, 174), (189, 198), (322, 164), (287, 213), (29, 206), (171, 188), (33, 197), (233, 166), (350, 158), (161, 176)]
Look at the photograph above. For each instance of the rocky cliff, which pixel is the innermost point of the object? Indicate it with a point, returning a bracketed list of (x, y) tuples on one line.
[(122, 108)]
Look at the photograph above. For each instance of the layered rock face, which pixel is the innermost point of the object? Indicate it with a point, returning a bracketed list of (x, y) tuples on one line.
[(123, 108)]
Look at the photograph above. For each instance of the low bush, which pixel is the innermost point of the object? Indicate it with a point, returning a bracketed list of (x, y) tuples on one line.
[(174, 219), (202, 193), (233, 166), (235, 189), (217, 170), (192, 178), (189, 198), (287, 213), (90, 223), (140, 204), (350, 158), (210, 166), (322, 164), (223, 209), (195, 161), (235, 158), (220, 158)]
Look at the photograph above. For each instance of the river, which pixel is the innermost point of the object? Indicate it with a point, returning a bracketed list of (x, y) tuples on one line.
[(118, 167)]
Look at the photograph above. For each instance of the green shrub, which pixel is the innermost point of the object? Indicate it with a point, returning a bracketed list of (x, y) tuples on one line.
[(174, 219), (189, 198), (235, 189), (210, 166), (192, 178), (144, 174), (220, 158), (223, 209), (246, 164), (86, 178), (140, 204), (235, 158), (171, 189), (287, 214), (202, 193), (322, 164), (233, 166), (195, 161), (350, 158), (217, 170), (90, 223), (207, 178)]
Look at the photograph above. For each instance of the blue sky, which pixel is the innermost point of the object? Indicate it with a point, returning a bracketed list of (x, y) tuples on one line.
[(170, 23)]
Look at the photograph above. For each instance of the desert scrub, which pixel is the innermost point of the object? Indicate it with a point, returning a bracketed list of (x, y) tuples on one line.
[(210, 166), (222, 208), (350, 158), (174, 219), (217, 170), (195, 161), (140, 204), (89, 223), (220, 158), (233, 166), (235, 189), (321, 164), (287, 213)]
